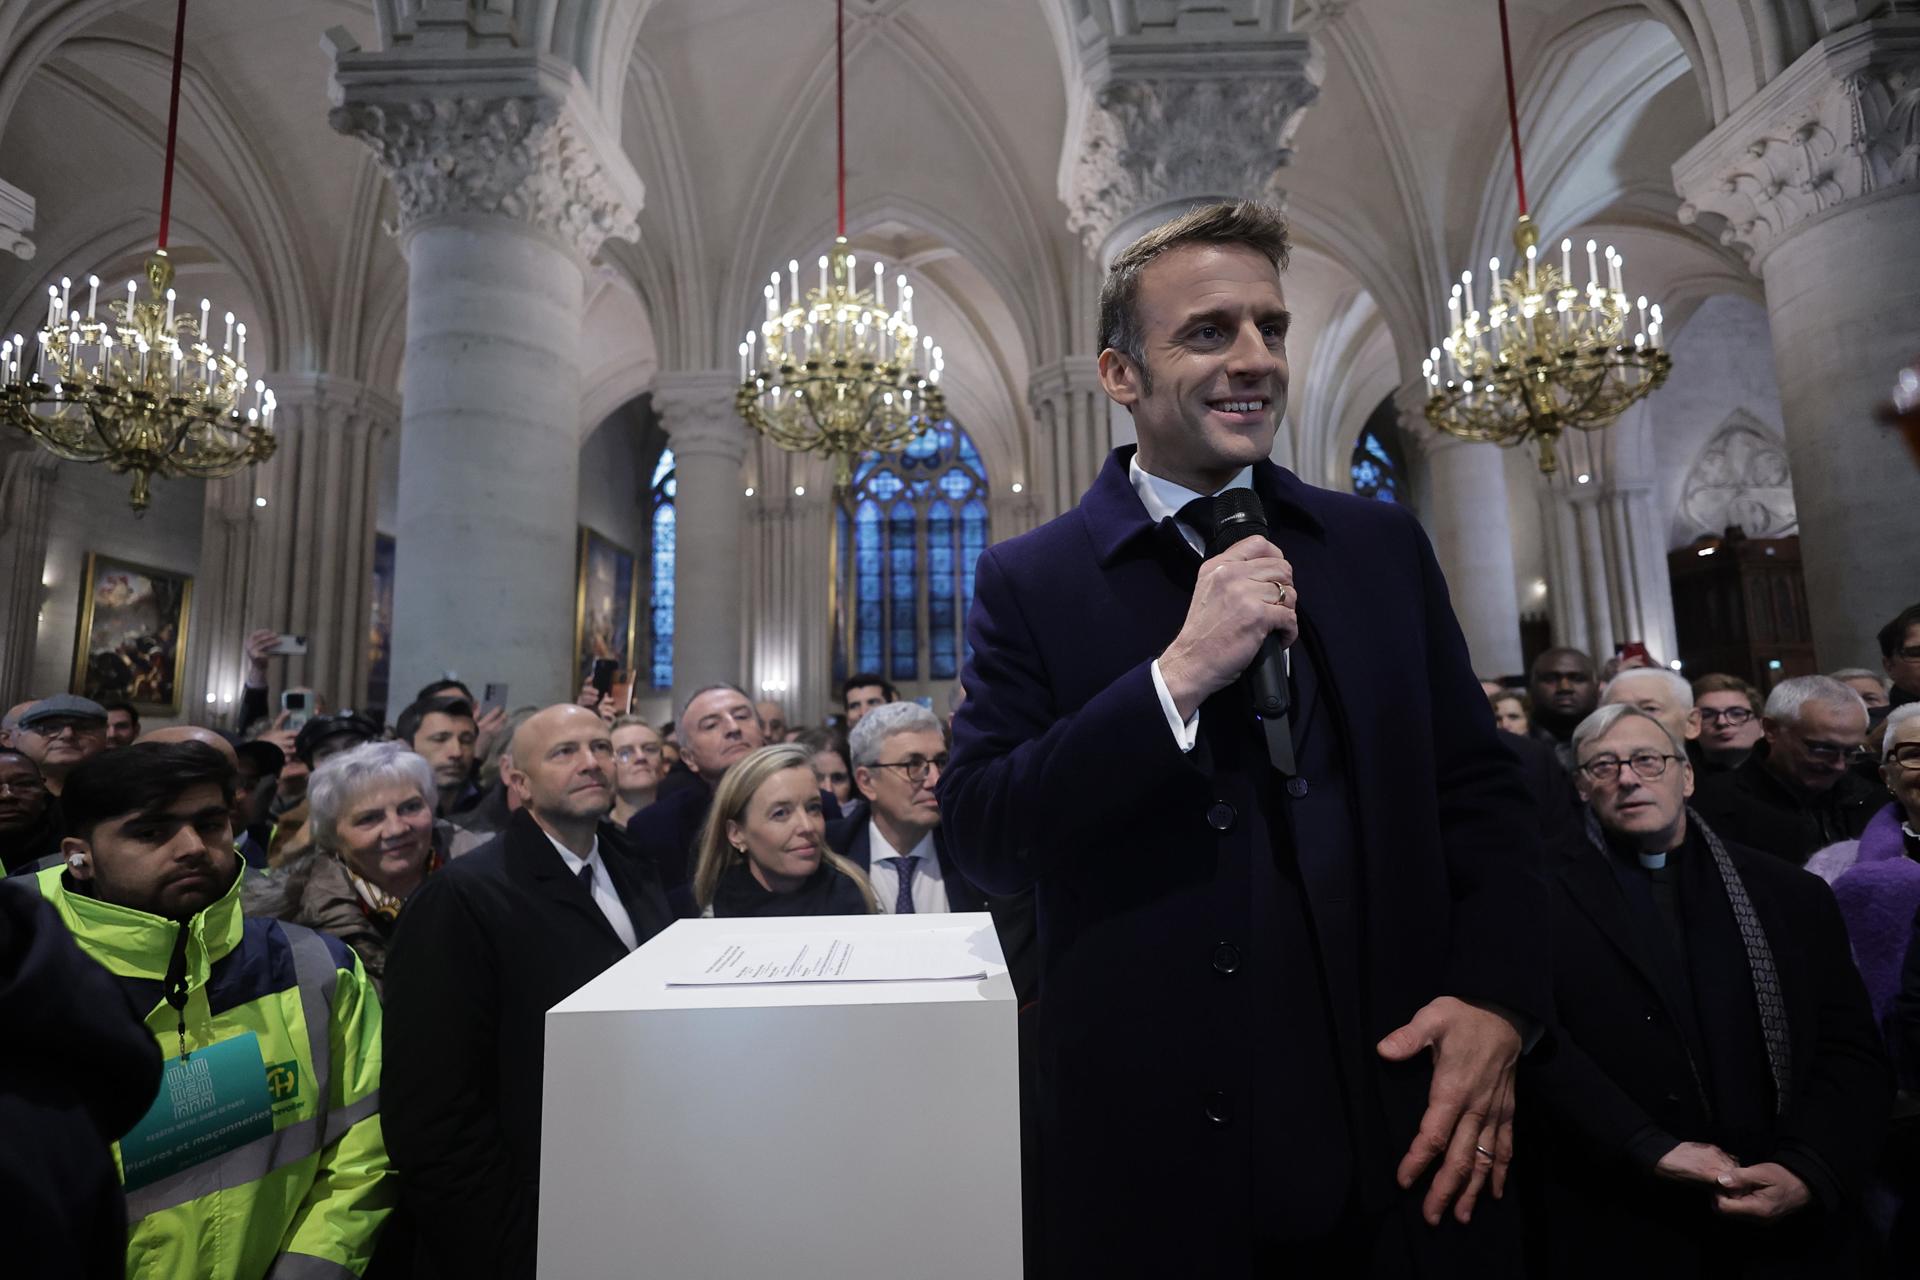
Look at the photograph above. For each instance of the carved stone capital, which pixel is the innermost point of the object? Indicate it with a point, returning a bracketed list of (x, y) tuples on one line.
[(324, 400), (1070, 375), (1184, 123), (696, 411), (502, 135), (16, 219), (1841, 124)]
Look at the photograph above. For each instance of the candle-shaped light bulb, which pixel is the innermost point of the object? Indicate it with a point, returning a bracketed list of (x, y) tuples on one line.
[(240, 331), (228, 344), (1593, 268), (823, 275), (743, 362), (66, 294), (131, 296), (793, 276), (93, 293), (880, 285)]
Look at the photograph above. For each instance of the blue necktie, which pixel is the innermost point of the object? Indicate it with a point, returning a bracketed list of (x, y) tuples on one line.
[(903, 904)]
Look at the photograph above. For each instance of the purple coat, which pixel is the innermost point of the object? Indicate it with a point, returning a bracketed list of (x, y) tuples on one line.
[(1878, 888)]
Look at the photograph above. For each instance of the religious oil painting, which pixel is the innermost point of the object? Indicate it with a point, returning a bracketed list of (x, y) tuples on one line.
[(133, 635), (604, 614)]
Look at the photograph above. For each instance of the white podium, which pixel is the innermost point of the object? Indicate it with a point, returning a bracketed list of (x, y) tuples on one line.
[(838, 1131)]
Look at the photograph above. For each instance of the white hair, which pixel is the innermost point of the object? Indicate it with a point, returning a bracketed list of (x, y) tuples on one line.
[(881, 723), (1676, 683), (341, 780), (1600, 723), (1790, 697), (1845, 674), (1898, 716)]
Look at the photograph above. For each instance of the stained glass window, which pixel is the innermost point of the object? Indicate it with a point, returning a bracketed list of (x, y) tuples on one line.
[(916, 521), (1375, 473), (660, 615)]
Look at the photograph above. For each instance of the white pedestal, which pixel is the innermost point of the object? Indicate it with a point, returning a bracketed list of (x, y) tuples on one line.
[(804, 1131)]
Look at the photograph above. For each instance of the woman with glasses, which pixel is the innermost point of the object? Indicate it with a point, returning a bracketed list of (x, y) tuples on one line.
[(763, 850), (1877, 877), (639, 762)]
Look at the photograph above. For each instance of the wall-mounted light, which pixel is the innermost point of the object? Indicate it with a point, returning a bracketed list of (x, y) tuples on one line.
[(1539, 587), (209, 699), (1584, 477), (259, 502), (1675, 664), (1017, 486), (1773, 664), (1706, 551), (799, 491), (749, 492)]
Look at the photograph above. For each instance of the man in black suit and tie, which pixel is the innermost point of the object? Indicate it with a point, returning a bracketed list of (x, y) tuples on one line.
[(1280, 1008), (899, 752), (482, 951)]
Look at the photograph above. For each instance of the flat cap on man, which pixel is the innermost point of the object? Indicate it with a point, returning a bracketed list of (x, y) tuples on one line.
[(62, 706)]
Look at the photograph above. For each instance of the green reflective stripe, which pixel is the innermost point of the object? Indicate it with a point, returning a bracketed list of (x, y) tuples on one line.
[(235, 1169), (314, 972), (338, 1122), (304, 1266)]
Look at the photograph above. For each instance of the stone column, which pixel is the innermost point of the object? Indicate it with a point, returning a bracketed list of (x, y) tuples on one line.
[(1174, 117), (288, 544), (786, 615), (709, 443), (27, 477), (507, 183), (16, 219), (1070, 430), (1466, 488), (1814, 180)]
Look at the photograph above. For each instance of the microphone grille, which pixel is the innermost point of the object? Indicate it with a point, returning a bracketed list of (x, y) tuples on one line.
[(1238, 506)]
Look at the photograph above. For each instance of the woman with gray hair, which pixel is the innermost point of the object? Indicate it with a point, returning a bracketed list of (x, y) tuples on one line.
[(374, 843)]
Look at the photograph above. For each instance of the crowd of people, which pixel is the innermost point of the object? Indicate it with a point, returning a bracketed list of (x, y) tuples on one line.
[(384, 915)]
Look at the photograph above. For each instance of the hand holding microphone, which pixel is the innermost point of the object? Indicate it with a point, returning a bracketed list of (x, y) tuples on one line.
[(1244, 609)]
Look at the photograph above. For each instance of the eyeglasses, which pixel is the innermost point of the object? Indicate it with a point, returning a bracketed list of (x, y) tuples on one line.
[(1646, 764), (54, 728), (625, 755), (1908, 652), (1907, 756), (1832, 752), (915, 767), (1732, 717)]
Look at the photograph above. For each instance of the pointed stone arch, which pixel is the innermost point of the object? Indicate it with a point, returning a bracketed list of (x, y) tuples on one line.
[(1740, 476)]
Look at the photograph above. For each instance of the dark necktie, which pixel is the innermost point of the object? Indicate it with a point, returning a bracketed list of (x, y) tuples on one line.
[(903, 904), (585, 873), (1198, 516)]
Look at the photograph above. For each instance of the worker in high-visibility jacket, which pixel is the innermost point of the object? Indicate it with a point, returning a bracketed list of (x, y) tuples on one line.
[(262, 1153)]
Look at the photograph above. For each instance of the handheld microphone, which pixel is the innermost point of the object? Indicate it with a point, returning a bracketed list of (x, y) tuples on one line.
[(1237, 515)]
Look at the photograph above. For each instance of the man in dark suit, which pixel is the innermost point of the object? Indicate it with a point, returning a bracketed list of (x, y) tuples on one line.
[(1271, 1003), (899, 752), (1710, 1096), (718, 725), (484, 948)]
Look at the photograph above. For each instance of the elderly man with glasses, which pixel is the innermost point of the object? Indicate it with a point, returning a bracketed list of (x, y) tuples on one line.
[(1795, 794), (1712, 1090), (899, 752)]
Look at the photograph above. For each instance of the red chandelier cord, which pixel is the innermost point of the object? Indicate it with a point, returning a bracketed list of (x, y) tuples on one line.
[(1513, 112), (173, 120), (839, 103)]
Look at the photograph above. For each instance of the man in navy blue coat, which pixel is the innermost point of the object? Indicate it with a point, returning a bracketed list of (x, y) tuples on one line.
[(1279, 1012)]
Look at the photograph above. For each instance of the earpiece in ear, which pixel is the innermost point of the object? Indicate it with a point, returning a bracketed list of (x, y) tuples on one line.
[(76, 861)]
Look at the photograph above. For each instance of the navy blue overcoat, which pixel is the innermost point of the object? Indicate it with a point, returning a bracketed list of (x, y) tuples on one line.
[(1170, 1099)]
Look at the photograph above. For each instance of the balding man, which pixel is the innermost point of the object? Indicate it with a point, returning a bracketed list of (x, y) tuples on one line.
[(486, 946), (1665, 695)]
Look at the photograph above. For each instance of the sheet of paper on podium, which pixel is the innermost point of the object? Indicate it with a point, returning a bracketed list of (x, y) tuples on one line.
[(743, 959)]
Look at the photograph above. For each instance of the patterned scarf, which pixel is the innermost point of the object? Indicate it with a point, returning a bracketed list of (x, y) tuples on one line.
[(1766, 977), (377, 904)]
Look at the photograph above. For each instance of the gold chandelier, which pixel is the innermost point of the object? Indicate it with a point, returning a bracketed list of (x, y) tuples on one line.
[(837, 372), (1546, 356), (142, 389)]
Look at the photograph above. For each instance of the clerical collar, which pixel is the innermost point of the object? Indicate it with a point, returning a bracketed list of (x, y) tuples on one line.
[(1653, 861)]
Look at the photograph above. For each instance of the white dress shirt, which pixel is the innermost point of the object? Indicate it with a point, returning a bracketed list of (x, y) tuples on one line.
[(1163, 500), (929, 891), (605, 896)]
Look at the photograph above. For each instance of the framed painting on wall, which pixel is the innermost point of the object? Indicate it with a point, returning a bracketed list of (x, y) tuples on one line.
[(380, 624), (606, 603), (132, 643)]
